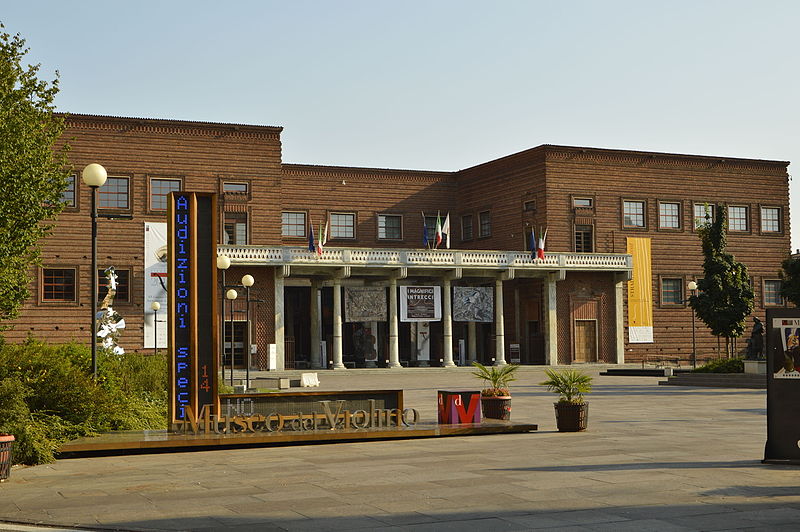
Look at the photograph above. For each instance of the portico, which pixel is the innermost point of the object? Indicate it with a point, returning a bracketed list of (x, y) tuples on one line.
[(293, 268)]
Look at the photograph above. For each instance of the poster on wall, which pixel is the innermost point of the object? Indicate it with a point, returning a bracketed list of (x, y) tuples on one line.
[(473, 303), (155, 283), (786, 363), (420, 303), (364, 303), (640, 293)]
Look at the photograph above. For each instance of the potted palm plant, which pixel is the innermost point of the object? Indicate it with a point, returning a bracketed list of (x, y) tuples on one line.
[(495, 397), (572, 412)]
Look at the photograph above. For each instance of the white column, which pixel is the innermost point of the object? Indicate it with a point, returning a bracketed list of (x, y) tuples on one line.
[(316, 326), (394, 344), (619, 331), (337, 324), (499, 325), (447, 322), (279, 320), (472, 342), (550, 321)]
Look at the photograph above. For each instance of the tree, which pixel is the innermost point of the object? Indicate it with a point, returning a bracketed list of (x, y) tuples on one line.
[(725, 298), (33, 173), (790, 287)]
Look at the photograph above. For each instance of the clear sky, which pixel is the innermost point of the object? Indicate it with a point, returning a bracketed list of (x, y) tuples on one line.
[(438, 85)]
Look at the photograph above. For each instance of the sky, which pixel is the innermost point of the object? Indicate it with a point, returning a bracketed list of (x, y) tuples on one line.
[(438, 85)]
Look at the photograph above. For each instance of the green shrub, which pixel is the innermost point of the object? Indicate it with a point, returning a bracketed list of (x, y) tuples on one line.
[(723, 365), (48, 395)]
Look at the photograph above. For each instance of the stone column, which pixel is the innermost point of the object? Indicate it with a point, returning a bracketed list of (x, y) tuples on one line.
[(472, 342), (316, 326), (447, 324), (279, 319), (619, 330), (394, 344), (499, 325), (550, 321), (337, 324)]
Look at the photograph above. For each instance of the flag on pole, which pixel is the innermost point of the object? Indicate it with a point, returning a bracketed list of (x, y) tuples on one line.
[(438, 230), (533, 243), (311, 236), (424, 231), (542, 237), (446, 230), (323, 238)]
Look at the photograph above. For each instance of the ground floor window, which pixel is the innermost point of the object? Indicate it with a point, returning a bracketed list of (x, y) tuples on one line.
[(58, 284)]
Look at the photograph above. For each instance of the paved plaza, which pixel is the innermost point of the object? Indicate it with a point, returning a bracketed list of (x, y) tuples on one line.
[(654, 458)]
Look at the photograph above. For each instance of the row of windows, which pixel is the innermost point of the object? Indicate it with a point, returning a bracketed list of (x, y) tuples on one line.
[(59, 285), (115, 193), (390, 226), (672, 292), (634, 216)]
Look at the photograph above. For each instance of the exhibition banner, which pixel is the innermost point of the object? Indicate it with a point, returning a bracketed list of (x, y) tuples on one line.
[(640, 293), (155, 283), (420, 303), (473, 303), (364, 303)]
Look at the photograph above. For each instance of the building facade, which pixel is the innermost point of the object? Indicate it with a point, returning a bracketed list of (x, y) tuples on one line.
[(613, 218)]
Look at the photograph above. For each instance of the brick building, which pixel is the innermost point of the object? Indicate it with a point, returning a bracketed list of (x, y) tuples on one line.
[(575, 305)]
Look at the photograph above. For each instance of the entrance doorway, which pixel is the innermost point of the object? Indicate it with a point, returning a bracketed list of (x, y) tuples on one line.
[(585, 341)]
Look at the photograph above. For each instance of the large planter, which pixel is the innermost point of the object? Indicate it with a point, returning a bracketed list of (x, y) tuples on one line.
[(570, 417), (496, 407)]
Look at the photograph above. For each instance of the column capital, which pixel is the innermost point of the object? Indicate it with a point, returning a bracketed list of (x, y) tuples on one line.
[(454, 274), (507, 275), (283, 271), (341, 273)]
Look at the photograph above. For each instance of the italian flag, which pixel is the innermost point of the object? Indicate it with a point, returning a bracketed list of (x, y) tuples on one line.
[(323, 238), (438, 230), (542, 237)]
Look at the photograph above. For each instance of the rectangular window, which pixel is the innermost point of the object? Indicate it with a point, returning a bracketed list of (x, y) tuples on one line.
[(293, 224), (669, 215), (772, 293), (235, 228), (671, 291), (68, 196), (466, 227), (114, 194), (390, 227), (159, 189), (737, 218), (430, 229), (703, 214), (583, 202), (343, 225), (529, 206), (485, 221), (633, 213), (123, 284), (770, 219), (58, 284), (240, 188), (583, 238)]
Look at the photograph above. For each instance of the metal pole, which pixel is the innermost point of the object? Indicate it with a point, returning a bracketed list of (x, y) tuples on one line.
[(247, 345), (94, 282), (232, 335), (155, 329), (222, 319), (694, 349)]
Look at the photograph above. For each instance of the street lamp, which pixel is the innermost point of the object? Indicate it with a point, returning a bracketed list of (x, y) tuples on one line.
[(247, 282), (223, 263), (155, 306), (94, 176), (692, 286), (231, 295)]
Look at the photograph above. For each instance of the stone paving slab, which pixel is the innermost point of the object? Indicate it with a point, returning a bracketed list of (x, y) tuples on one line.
[(654, 458)]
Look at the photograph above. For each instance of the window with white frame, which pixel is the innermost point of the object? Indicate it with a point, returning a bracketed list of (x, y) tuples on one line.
[(669, 215), (390, 227), (343, 225), (770, 219), (737, 218), (293, 224), (703, 214), (772, 293), (633, 213)]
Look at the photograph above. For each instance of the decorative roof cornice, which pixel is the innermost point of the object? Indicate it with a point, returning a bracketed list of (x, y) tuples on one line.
[(120, 124), (350, 172)]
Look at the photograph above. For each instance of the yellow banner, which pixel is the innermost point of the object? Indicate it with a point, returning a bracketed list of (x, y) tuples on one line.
[(640, 293)]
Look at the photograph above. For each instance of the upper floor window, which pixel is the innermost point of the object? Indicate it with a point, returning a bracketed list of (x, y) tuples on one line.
[(343, 225), (390, 227), (633, 213), (737, 218), (241, 188), (235, 228), (772, 293), (770, 219), (159, 190), (123, 284), (430, 229), (583, 238), (485, 221), (583, 202), (58, 284), (293, 224), (114, 194), (68, 196), (671, 291), (703, 214), (669, 215), (529, 206), (466, 227)]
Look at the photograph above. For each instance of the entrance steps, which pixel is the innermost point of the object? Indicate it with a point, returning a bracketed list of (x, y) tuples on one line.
[(718, 380)]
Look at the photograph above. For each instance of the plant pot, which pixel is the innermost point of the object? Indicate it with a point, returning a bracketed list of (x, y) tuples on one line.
[(570, 417), (496, 407)]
